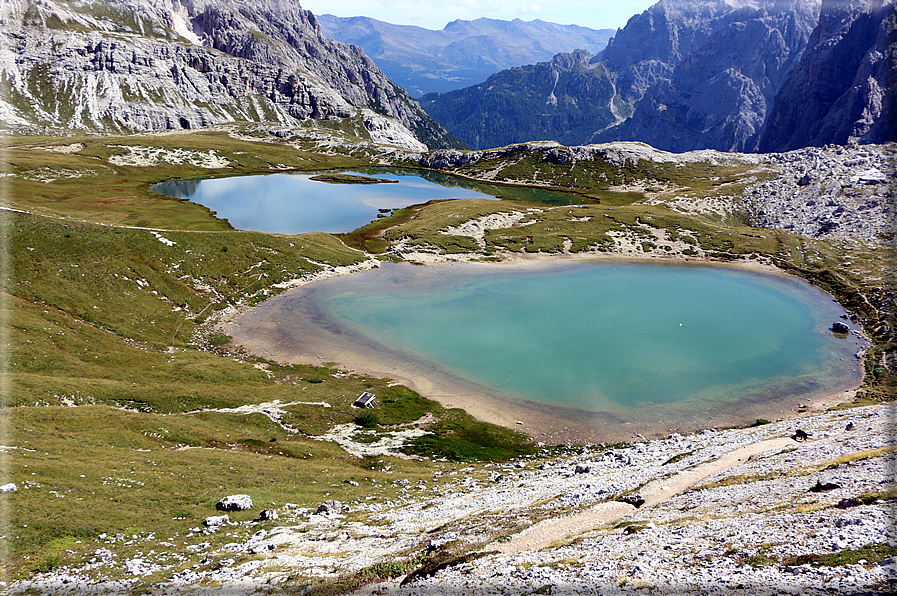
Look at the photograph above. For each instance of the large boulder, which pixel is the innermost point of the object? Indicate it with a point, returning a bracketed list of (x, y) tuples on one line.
[(234, 503)]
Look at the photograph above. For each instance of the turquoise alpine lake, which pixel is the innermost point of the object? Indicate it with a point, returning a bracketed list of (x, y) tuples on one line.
[(677, 341), (296, 203)]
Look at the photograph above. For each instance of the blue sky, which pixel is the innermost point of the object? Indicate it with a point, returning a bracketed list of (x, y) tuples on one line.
[(430, 14)]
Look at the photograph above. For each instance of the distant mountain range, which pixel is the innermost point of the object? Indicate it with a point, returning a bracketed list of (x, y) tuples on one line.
[(731, 75), (464, 53)]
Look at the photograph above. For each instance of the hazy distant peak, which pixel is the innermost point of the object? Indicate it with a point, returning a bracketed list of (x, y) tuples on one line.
[(462, 53)]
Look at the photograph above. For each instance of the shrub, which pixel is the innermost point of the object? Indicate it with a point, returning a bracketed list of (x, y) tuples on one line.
[(366, 419), (219, 339)]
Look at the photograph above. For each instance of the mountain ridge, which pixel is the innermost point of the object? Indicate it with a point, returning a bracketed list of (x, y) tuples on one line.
[(463, 52), (136, 65), (686, 75)]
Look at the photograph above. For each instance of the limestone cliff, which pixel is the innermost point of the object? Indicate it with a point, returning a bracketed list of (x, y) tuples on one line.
[(845, 87), (718, 95), (682, 75), (150, 65)]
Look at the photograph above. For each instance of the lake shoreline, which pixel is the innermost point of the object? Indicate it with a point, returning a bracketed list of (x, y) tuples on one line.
[(540, 421)]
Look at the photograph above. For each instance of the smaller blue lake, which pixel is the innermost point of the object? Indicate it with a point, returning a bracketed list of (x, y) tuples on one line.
[(295, 203)]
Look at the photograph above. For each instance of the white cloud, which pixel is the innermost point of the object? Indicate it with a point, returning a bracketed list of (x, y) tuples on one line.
[(533, 9)]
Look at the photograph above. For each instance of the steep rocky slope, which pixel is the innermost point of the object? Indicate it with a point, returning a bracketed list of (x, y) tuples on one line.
[(845, 84), (745, 75), (691, 74), (463, 53), (721, 92), (562, 100), (149, 65)]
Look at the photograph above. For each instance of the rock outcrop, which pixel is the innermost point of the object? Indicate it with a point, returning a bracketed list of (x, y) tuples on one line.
[(150, 65)]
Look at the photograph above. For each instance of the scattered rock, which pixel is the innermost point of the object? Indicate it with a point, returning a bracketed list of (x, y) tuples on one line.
[(234, 503), (848, 503), (581, 469), (267, 515), (216, 520), (331, 507), (9, 488), (844, 522), (263, 548), (618, 458), (839, 327)]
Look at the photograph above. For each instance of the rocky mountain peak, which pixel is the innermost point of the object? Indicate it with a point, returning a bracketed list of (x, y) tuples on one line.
[(147, 65)]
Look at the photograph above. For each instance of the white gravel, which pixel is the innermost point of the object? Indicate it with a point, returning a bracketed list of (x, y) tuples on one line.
[(731, 532)]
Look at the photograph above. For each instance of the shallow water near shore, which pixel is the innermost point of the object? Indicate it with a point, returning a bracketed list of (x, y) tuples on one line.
[(587, 342)]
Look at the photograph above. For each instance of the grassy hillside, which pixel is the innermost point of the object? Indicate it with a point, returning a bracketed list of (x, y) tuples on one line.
[(109, 318)]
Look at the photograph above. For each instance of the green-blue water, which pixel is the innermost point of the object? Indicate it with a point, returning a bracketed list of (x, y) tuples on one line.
[(294, 203), (606, 337)]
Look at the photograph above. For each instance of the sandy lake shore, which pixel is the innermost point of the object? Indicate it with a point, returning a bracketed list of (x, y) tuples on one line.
[(322, 345)]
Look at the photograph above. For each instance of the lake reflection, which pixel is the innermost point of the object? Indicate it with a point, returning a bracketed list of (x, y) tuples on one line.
[(295, 204)]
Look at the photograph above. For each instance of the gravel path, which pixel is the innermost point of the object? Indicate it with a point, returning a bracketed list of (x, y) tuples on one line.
[(551, 531)]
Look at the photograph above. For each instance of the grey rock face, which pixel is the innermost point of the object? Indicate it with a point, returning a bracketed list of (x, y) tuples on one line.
[(730, 75), (652, 43), (683, 75), (145, 65), (844, 88), (720, 95)]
